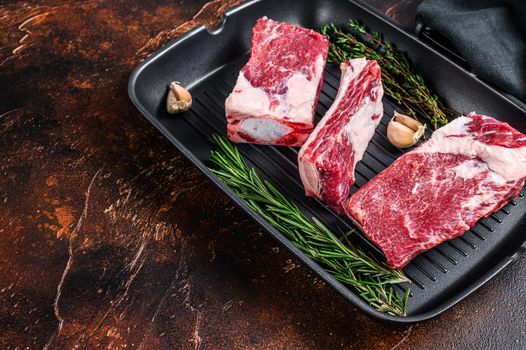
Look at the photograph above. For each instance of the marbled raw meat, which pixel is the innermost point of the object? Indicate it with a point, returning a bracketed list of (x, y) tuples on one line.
[(469, 169), (328, 158), (275, 96)]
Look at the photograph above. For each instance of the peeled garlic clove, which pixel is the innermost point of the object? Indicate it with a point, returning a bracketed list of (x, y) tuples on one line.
[(179, 99), (404, 131)]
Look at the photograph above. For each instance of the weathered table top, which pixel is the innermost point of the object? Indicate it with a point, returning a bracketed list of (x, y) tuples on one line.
[(110, 238)]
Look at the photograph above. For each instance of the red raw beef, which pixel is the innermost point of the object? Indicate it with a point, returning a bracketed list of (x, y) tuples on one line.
[(469, 169), (276, 92), (328, 158)]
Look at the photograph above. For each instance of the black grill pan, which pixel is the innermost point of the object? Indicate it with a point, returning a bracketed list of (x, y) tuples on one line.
[(208, 61)]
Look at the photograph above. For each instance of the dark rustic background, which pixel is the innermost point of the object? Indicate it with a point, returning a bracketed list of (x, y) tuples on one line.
[(109, 238)]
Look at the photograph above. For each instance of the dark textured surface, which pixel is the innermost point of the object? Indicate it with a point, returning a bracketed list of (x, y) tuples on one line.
[(110, 238)]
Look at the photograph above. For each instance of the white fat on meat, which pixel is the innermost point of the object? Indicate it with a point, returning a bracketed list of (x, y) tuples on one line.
[(469, 169), (348, 75), (301, 94), (510, 163), (246, 98), (360, 129), (356, 132), (296, 104)]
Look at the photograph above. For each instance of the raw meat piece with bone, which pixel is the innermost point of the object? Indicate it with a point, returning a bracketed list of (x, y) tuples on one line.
[(328, 158), (275, 96)]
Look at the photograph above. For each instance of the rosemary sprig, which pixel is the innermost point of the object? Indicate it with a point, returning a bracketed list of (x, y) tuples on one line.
[(400, 81), (346, 262)]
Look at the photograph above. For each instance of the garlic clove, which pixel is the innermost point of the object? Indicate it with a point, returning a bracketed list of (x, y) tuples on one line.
[(404, 131), (400, 135), (411, 123), (179, 99)]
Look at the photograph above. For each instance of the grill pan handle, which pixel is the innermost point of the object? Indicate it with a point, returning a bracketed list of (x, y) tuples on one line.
[(439, 42)]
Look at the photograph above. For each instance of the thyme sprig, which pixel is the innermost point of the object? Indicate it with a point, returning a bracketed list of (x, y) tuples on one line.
[(400, 81), (347, 263)]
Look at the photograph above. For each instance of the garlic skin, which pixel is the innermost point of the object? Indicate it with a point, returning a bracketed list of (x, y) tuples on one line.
[(404, 131), (179, 99)]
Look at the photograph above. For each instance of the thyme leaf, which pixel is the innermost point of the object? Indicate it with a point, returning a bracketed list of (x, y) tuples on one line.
[(400, 81)]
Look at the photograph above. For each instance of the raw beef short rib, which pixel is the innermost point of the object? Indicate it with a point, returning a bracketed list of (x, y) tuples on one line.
[(276, 92), (328, 158), (469, 169)]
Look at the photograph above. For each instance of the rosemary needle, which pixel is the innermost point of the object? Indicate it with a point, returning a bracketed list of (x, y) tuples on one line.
[(347, 263), (400, 81)]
